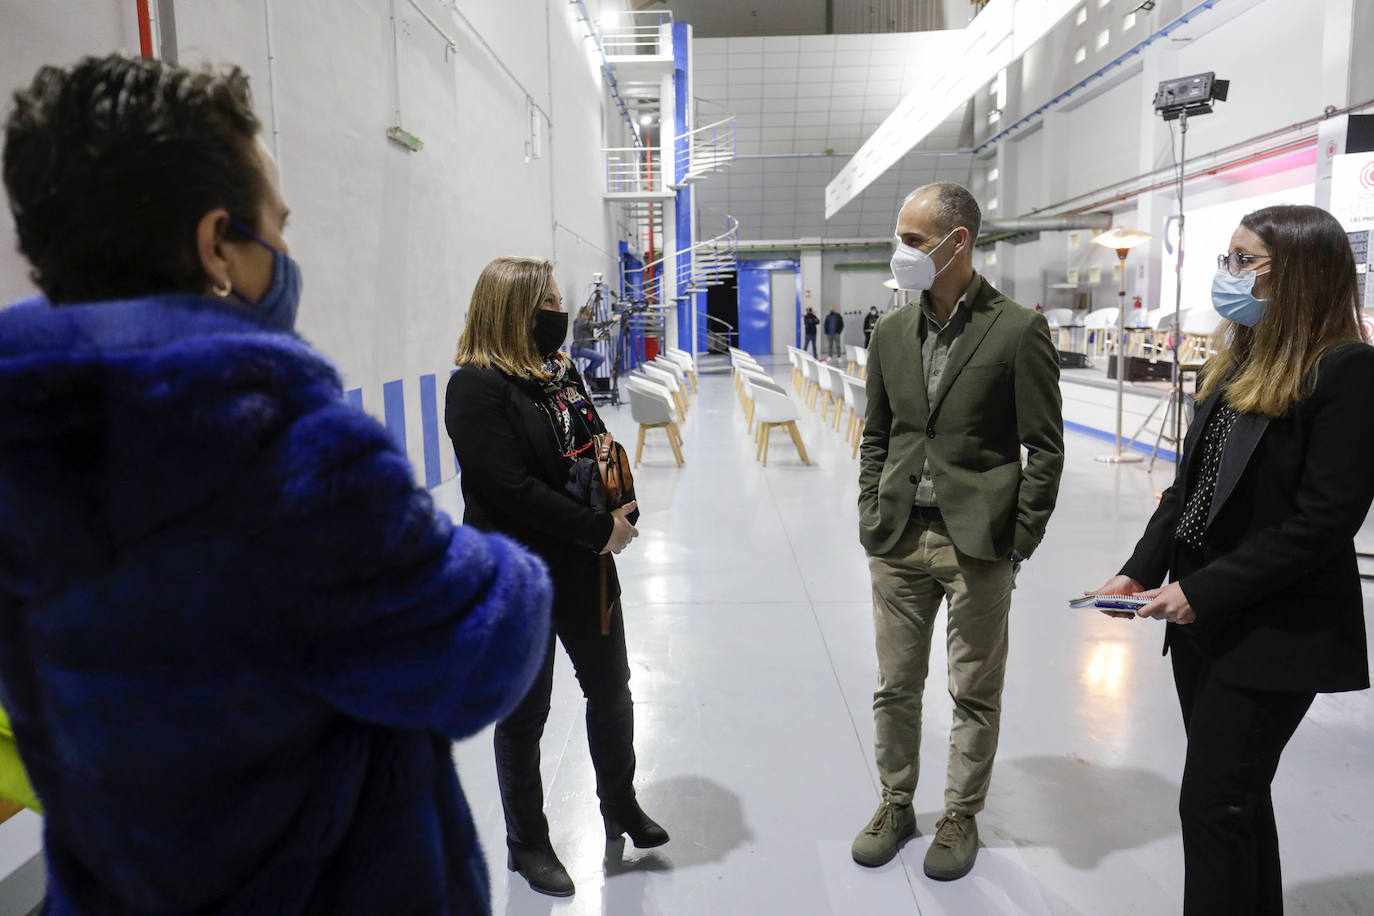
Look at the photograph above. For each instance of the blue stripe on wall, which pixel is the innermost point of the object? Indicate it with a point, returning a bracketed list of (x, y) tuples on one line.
[(354, 396), (394, 410), (429, 427)]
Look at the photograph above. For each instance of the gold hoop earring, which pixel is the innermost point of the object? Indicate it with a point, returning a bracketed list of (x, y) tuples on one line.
[(223, 293)]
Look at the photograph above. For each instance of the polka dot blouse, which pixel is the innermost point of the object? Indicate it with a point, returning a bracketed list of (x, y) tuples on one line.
[(1193, 521)]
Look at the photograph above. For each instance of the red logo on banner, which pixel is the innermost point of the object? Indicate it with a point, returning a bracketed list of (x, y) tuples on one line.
[(1330, 149), (1367, 176)]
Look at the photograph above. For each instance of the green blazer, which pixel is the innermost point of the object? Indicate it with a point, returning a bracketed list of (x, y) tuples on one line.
[(999, 393)]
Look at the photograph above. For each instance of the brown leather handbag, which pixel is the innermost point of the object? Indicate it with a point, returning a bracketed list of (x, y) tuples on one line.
[(618, 488), (613, 464)]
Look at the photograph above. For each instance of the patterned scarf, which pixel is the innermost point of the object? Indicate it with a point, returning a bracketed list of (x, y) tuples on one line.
[(573, 415)]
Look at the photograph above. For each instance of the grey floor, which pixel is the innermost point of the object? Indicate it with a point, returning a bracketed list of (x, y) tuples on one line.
[(746, 601)]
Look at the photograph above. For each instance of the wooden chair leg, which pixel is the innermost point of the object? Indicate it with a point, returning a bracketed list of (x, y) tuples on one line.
[(839, 406), (797, 441), (758, 441), (674, 443), (766, 437), (858, 436)]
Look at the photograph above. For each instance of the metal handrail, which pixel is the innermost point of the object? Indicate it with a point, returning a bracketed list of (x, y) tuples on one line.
[(641, 35), (632, 170), (706, 149)]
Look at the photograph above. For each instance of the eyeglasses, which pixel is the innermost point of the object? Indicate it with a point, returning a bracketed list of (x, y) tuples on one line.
[(1233, 262)]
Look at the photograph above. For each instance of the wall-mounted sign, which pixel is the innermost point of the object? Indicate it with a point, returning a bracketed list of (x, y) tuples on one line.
[(1352, 202)]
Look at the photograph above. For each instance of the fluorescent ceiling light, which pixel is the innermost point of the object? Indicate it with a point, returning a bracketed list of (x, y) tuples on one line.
[(963, 62)]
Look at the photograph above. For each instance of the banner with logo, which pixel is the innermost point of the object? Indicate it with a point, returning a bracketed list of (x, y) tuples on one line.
[(1352, 202)]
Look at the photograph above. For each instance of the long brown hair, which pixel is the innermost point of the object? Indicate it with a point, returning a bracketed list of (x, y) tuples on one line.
[(501, 317), (1312, 307)]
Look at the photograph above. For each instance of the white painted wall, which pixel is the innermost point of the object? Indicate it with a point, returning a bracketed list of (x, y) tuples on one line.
[(783, 309), (390, 241)]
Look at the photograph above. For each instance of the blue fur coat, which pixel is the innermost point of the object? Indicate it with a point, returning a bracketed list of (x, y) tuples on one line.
[(236, 640)]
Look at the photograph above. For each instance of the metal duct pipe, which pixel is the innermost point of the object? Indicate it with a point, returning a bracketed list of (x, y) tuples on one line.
[(1100, 221)]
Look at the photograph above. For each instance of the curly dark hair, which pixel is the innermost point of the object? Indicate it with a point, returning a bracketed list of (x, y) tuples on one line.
[(110, 166)]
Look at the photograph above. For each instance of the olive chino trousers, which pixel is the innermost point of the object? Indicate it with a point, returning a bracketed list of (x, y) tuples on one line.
[(922, 570)]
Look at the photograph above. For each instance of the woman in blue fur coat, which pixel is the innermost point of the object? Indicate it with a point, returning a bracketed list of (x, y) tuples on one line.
[(236, 640)]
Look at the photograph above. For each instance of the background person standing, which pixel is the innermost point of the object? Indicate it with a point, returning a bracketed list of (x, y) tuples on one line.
[(870, 322), (958, 384), (834, 327), (809, 338)]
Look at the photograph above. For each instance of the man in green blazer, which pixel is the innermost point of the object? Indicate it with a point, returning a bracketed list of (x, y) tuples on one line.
[(959, 383)]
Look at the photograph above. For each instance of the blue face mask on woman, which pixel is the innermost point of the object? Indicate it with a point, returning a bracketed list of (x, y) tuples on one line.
[(278, 306), (1234, 299)]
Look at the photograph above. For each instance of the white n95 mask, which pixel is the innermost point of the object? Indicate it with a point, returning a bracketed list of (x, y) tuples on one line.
[(913, 269)]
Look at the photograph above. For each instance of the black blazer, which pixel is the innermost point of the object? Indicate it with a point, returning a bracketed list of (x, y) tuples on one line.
[(1278, 598), (512, 477)]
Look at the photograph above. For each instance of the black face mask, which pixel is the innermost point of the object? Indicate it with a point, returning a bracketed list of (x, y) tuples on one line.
[(550, 328)]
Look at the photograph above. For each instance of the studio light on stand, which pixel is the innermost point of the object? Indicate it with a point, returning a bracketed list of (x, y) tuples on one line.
[(1121, 241), (891, 283), (1178, 100)]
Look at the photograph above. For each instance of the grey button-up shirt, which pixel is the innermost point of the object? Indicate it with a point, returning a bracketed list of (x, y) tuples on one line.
[(934, 356)]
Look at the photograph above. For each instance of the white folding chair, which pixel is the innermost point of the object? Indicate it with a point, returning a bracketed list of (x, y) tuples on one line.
[(667, 380), (652, 408), (856, 395), (774, 410), (684, 362), (834, 392)]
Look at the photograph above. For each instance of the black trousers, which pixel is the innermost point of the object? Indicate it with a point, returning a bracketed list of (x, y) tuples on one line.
[(1235, 737), (603, 671)]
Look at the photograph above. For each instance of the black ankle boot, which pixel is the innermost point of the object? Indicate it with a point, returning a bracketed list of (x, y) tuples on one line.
[(541, 869), (630, 819)]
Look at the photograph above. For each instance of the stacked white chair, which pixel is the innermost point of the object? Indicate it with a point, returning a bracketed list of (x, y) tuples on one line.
[(814, 380), (1101, 324), (751, 380), (671, 365), (834, 392), (794, 357), (1061, 325), (684, 361), (667, 380), (856, 396), (1197, 326), (851, 362), (775, 409), (863, 362), (652, 408)]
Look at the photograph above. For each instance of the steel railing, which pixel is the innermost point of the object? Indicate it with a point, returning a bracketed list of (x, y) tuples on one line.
[(706, 150), (633, 170), (632, 34)]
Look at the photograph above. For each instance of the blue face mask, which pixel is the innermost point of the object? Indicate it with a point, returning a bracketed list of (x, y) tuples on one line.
[(278, 306), (1234, 300)]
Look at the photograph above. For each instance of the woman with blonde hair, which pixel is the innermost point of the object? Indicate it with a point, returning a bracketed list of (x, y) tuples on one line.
[(1263, 604), (520, 417)]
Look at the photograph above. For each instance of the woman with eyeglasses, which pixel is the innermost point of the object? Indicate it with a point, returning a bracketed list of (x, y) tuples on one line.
[(520, 416), (1263, 603)]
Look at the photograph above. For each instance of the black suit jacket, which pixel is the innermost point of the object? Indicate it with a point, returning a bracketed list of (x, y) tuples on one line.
[(1278, 597), (513, 481)]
